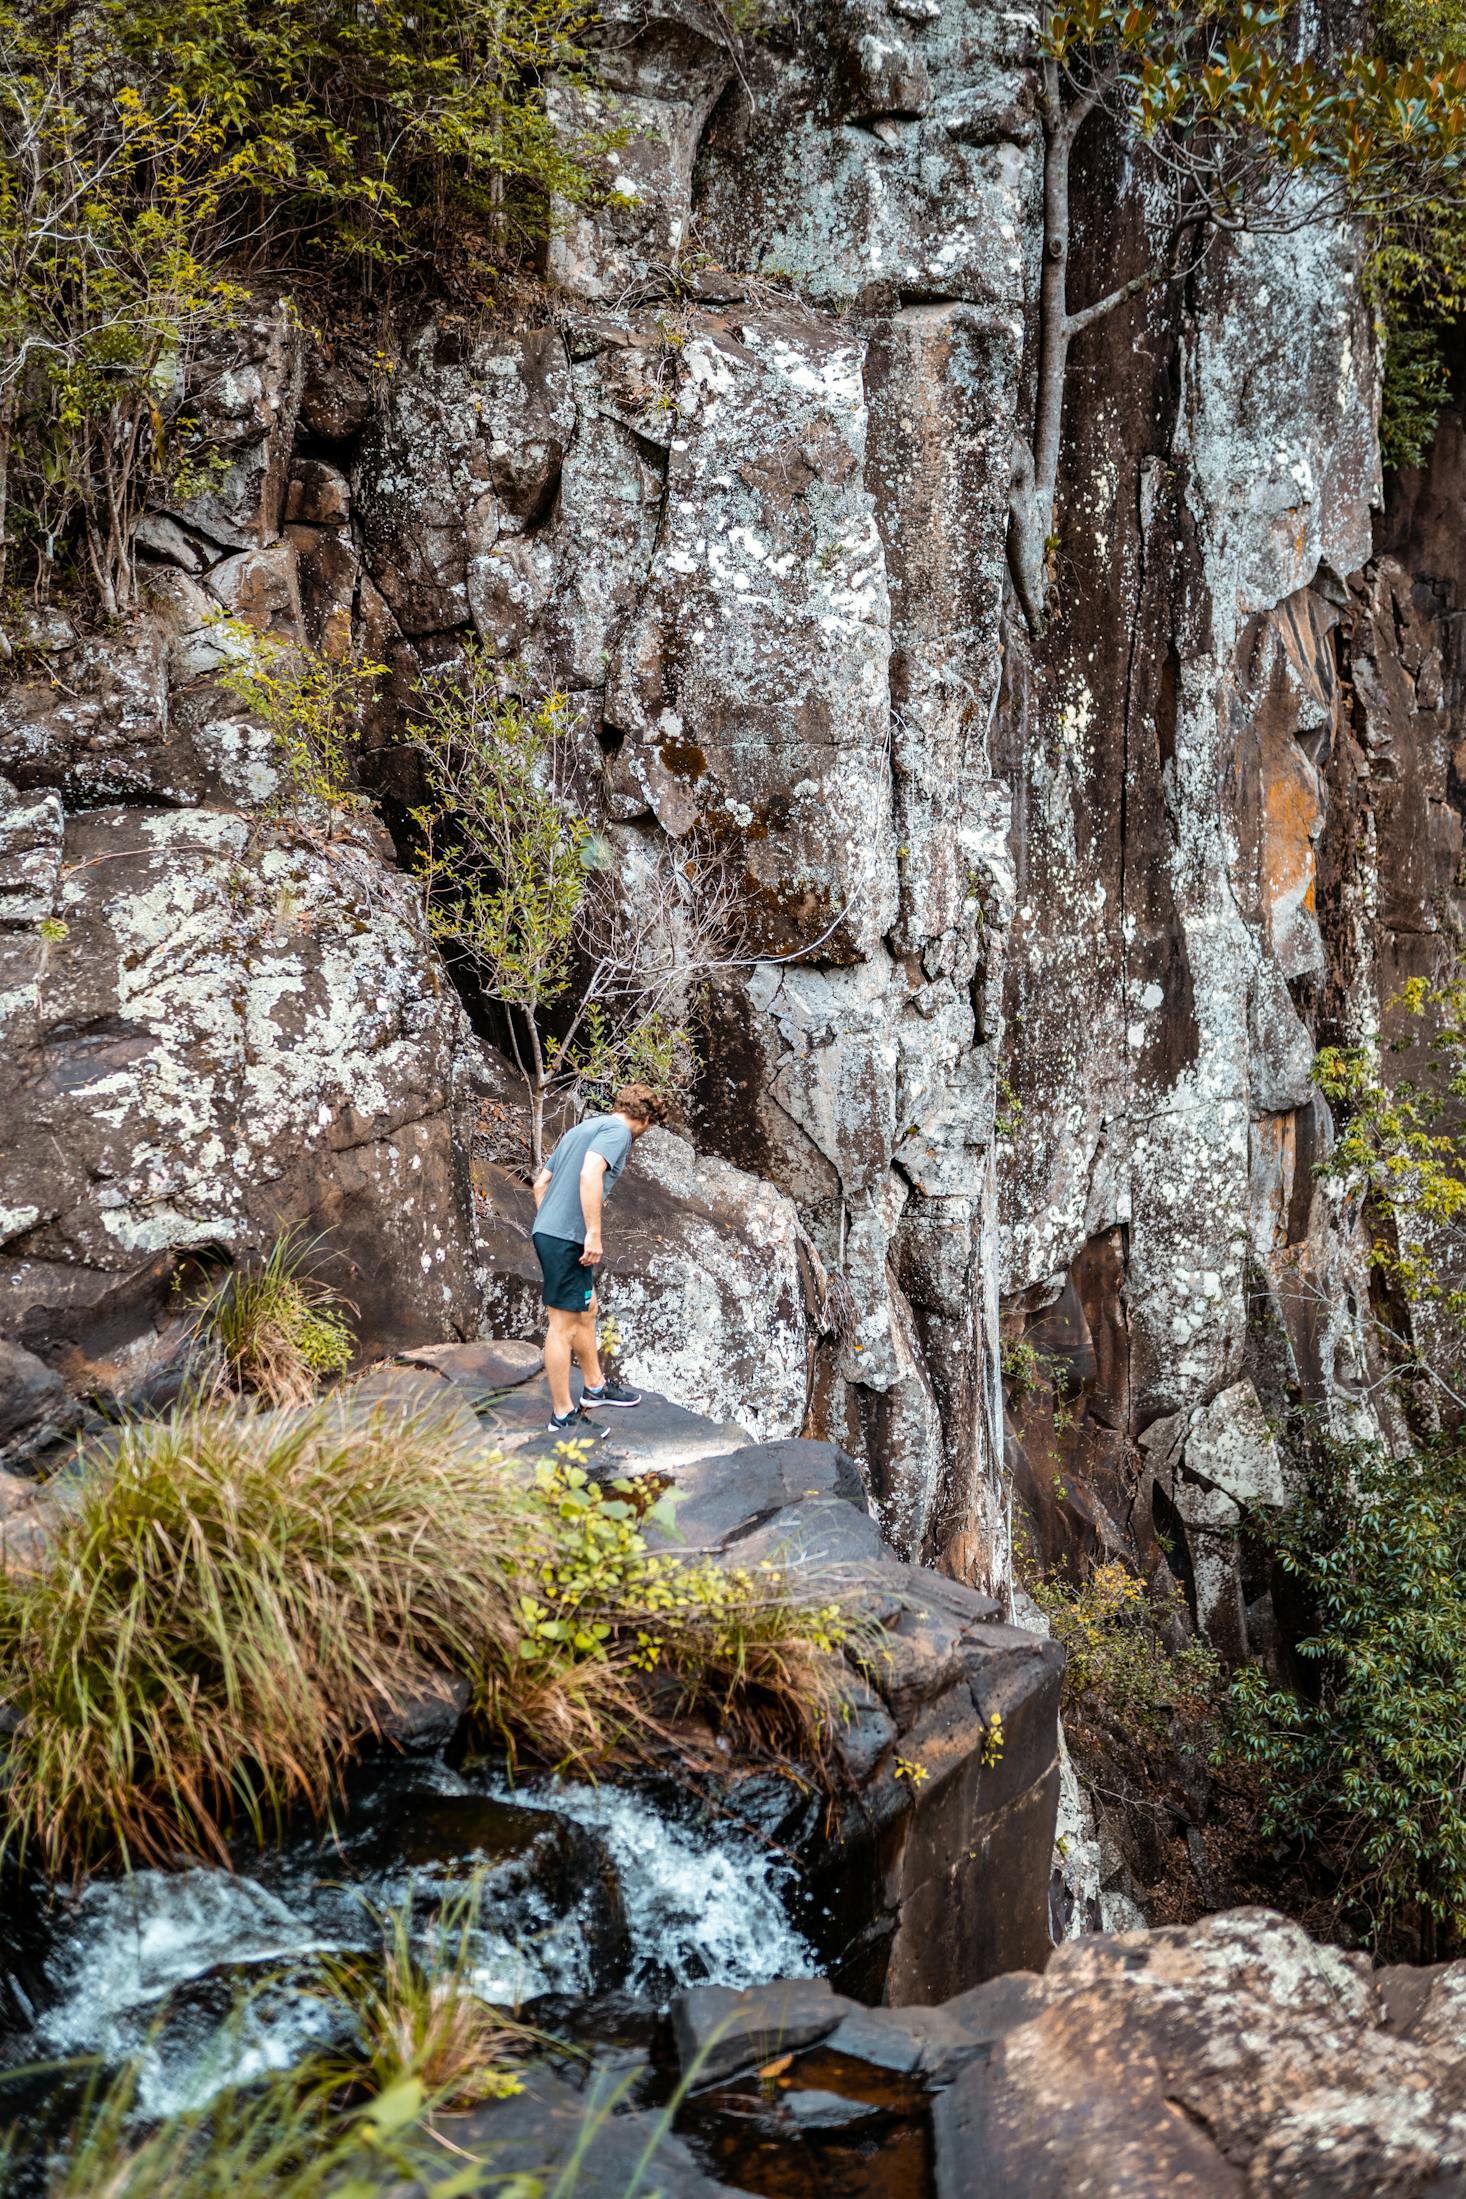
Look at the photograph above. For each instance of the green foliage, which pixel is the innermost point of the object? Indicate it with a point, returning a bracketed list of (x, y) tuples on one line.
[(230, 1601), (1220, 86), (311, 703), (151, 153), (279, 1329), (610, 1634), (413, 130), (1369, 1765), (109, 205), (1401, 1153), (1249, 129), (520, 885), (504, 856), (1418, 267), (1112, 1628), (1027, 1369)]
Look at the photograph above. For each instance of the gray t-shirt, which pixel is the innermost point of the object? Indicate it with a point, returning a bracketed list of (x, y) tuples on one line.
[(560, 1212)]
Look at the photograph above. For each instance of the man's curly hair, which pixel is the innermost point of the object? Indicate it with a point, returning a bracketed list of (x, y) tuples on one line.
[(641, 1103)]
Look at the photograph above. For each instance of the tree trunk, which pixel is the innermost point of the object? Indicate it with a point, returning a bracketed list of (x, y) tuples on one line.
[(1036, 468)]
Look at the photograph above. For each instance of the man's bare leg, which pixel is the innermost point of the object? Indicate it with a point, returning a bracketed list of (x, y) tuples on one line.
[(564, 1329), (587, 1351)]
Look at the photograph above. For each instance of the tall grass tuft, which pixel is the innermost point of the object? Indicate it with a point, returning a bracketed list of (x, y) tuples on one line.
[(415, 2010), (233, 1600), (287, 2136), (278, 1329)]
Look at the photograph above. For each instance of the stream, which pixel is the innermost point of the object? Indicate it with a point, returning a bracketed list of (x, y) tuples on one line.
[(598, 1904)]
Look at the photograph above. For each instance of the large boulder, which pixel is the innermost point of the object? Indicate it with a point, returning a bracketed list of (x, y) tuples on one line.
[(217, 1029), (1227, 2058)]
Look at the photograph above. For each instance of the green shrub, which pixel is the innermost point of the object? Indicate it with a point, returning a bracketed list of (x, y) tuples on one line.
[(231, 1601), (1367, 1768), (278, 1329), (413, 130), (1112, 1626), (311, 703), (109, 276), (157, 159), (1417, 267), (1400, 1153)]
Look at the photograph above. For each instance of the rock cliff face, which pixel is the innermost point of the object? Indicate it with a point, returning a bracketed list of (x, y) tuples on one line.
[(1044, 934)]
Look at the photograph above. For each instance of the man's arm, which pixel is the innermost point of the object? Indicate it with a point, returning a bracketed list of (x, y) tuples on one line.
[(592, 1194), (539, 1187)]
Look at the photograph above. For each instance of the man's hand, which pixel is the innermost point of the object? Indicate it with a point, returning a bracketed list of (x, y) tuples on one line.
[(591, 1251)]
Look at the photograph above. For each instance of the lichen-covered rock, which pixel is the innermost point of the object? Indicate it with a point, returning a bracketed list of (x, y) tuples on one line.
[(1235, 2056), (240, 1031)]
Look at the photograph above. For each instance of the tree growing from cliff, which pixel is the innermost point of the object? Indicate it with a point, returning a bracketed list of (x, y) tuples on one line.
[(597, 974), (1239, 129), (1401, 1154), (108, 210)]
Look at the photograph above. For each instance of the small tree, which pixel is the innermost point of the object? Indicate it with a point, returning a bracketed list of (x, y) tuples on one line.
[(1239, 131), (310, 703), (108, 210), (1401, 1153), (597, 975)]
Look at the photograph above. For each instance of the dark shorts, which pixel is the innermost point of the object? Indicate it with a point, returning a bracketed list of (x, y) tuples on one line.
[(568, 1286)]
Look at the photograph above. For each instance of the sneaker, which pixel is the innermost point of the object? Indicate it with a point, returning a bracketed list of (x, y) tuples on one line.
[(609, 1393), (576, 1426)]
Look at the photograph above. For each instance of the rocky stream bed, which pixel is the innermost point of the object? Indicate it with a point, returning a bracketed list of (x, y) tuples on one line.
[(747, 1997)]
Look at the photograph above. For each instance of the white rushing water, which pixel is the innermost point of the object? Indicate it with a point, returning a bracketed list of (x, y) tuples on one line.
[(703, 1908), (150, 1968)]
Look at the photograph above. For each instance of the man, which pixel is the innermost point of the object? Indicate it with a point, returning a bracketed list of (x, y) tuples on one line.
[(569, 1193)]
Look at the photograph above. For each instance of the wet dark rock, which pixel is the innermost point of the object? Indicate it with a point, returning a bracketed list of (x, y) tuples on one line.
[(533, 1865), (30, 1391), (719, 2031), (425, 1724), (538, 2133)]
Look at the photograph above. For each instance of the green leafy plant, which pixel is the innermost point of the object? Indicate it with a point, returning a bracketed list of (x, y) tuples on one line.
[(1417, 268), (279, 1329), (598, 978), (1234, 130), (402, 133), (1400, 1153), (230, 1602), (311, 703), (109, 205), (1028, 1369), (157, 160), (1366, 1769), (1112, 1627), (594, 1605)]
